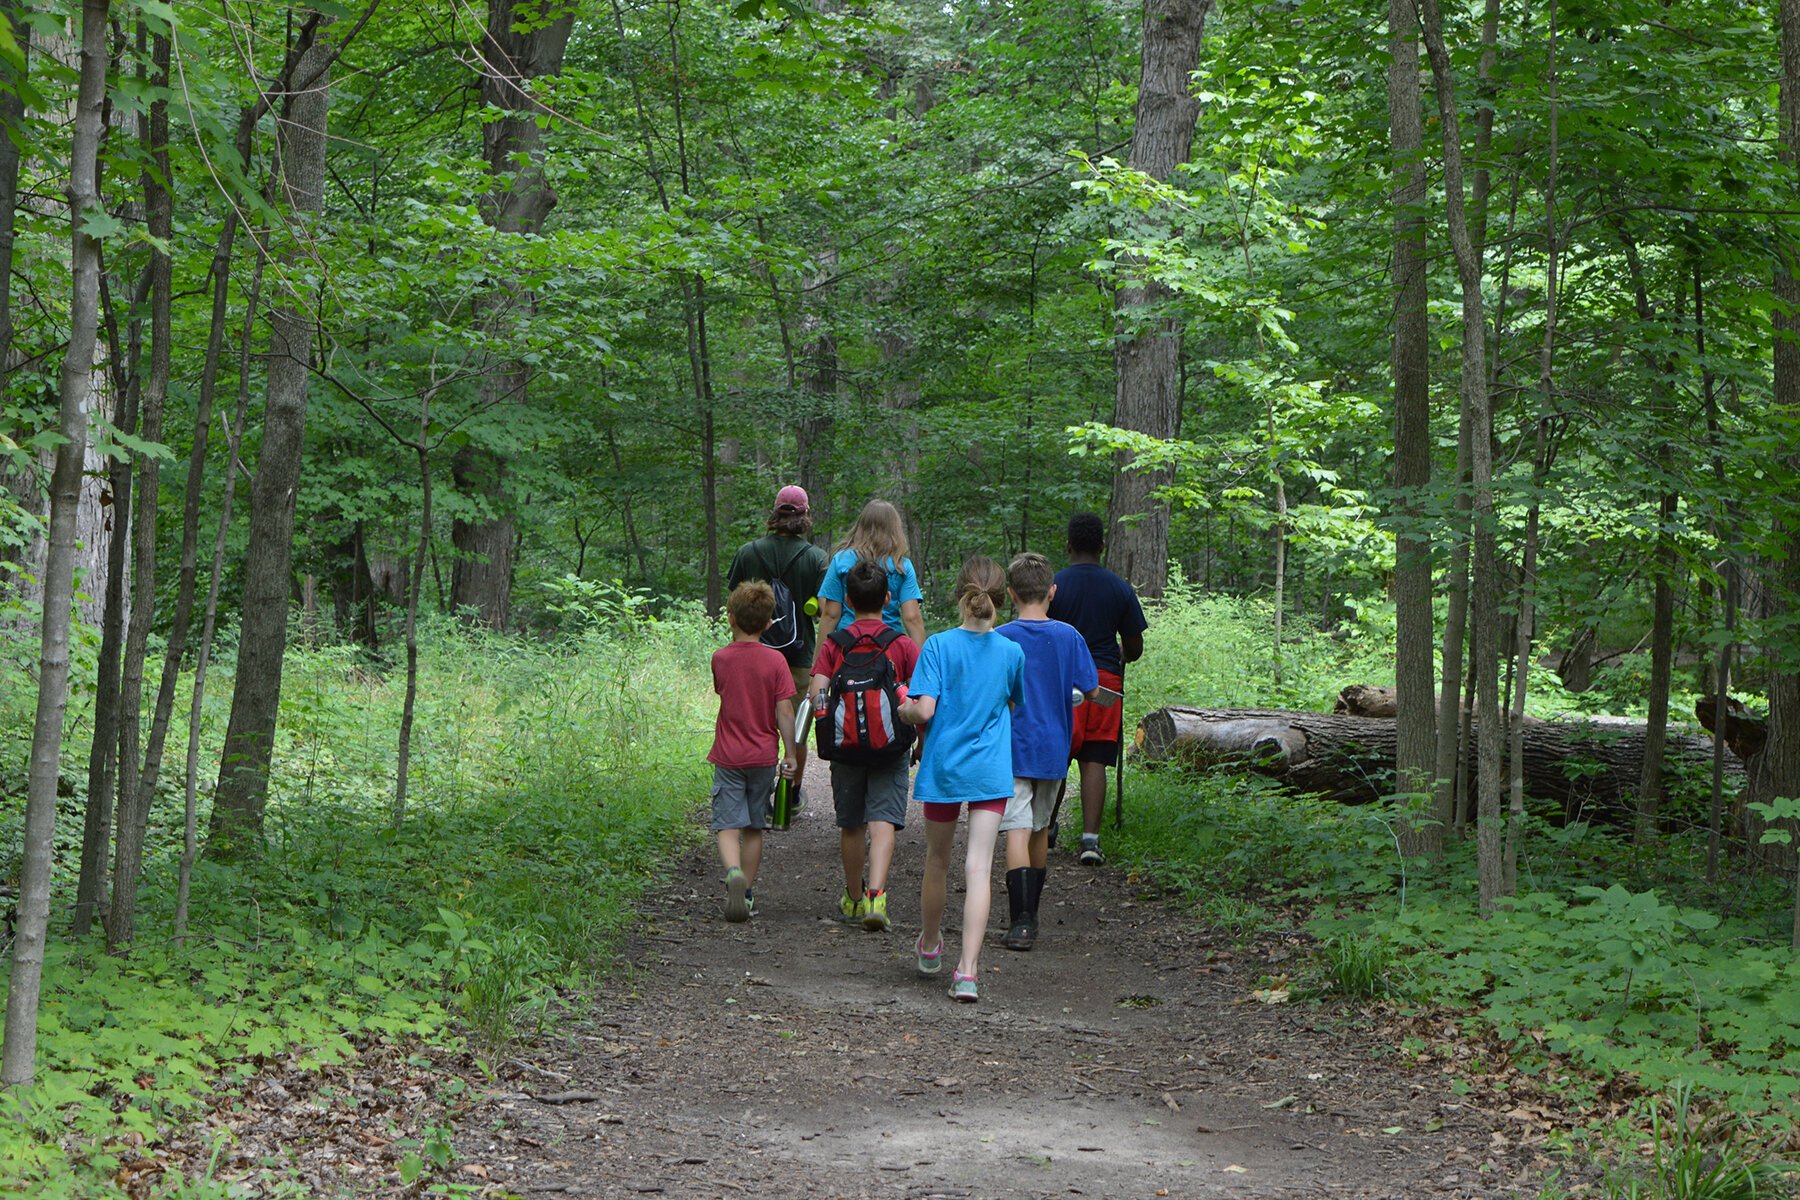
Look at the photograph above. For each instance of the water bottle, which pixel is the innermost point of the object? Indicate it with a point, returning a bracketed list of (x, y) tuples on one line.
[(782, 813)]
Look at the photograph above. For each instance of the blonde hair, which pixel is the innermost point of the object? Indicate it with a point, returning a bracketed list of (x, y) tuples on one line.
[(878, 535), (980, 587), (1030, 577)]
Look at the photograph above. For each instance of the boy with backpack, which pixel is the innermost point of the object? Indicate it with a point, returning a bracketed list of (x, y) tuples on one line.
[(756, 707), (858, 683), (793, 568), (1057, 665)]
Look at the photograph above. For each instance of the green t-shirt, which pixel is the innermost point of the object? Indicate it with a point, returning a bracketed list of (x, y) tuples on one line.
[(797, 563)]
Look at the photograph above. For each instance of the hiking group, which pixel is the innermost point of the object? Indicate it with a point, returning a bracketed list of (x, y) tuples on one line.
[(992, 716)]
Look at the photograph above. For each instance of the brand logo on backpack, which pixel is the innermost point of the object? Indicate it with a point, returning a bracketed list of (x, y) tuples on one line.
[(783, 632), (861, 722)]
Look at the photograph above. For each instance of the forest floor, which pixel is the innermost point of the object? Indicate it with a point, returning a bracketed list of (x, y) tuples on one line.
[(1124, 1056)]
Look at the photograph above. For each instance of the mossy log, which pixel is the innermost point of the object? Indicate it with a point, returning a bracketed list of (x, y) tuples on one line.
[(1589, 770)]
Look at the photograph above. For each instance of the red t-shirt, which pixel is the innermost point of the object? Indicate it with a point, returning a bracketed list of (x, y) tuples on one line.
[(751, 680), (903, 652)]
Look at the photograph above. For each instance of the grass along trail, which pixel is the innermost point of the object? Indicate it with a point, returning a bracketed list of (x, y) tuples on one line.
[(795, 1055)]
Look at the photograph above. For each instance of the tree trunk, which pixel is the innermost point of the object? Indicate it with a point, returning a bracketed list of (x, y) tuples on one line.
[(1351, 759), (137, 789), (1777, 769), (12, 138), (18, 1058), (1413, 616), (524, 40), (242, 791), (403, 758), (1484, 583), (1148, 354), (1662, 656)]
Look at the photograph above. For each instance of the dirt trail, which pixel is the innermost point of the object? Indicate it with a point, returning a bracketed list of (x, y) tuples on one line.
[(796, 1056)]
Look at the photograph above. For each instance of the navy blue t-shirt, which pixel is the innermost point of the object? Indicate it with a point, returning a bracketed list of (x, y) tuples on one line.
[(1101, 606)]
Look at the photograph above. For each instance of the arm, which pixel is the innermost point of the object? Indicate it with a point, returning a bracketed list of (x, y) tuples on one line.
[(784, 725), (817, 689), (914, 620), (1131, 647), (918, 710), (830, 613)]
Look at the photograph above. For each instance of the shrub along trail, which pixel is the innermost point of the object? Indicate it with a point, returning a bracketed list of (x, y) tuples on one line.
[(1123, 1057)]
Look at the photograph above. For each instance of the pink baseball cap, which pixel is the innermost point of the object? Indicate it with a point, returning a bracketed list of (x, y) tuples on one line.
[(792, 498)]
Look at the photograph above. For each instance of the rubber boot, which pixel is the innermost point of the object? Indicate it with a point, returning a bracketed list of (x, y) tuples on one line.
[(1018, 934), (1034, 888)]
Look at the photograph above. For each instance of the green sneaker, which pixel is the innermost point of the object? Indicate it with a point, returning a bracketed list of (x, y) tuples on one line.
[(962, 988), (875, 918), (853, 910), (929, 960), (737, 896)]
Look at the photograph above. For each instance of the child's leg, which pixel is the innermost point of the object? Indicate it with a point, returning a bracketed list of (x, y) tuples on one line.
[(978, 868), (881, 854), (939, 835), (730, 856), (752, 853), (850, 849), (1039, 850), (1019, 843)]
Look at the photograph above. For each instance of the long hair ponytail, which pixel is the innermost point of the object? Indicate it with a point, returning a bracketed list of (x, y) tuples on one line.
[(980, 587)]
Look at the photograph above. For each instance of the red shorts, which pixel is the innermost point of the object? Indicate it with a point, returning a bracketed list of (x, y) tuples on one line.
[(944, 814), (1098, 729)]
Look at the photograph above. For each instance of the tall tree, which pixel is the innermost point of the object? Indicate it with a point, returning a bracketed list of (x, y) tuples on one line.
[(1148, 350), (18, 1059), (1416, 718), (1485, 580), (13, 77), (256, 692), (524, 40)]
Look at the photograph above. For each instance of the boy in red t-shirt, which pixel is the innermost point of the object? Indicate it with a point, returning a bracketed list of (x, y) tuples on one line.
[(869, 797), (756, 705)]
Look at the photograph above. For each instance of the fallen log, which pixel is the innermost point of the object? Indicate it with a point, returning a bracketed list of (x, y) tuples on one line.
[(1589, 770)]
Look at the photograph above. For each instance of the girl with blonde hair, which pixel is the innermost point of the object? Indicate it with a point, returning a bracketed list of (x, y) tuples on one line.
[(966, 684), (878, 536)]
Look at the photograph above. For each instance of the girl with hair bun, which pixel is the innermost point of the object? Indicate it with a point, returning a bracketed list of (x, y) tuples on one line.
[(965, 686)]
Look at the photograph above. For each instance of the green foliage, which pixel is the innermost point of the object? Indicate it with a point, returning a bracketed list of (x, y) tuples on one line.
[(551, 786)]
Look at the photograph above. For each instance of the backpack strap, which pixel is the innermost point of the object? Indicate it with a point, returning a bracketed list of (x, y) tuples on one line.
[(842, 638), (785, 567), (886, 637)]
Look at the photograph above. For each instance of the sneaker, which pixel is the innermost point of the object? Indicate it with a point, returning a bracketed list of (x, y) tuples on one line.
[(929, 961), (962, 988), (750, 901), (737, 896), (875, 918), (852, 911), (1089, 855)]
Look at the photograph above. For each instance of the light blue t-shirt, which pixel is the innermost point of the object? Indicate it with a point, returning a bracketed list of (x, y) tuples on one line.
[(1057, 662), (903, 585), (975, 677)]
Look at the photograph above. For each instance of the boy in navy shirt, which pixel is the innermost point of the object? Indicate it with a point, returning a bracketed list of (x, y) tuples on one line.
[(1106, 611), (1057, 665)]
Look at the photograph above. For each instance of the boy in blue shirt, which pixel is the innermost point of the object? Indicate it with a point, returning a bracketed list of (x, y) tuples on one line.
[(1057, 665)]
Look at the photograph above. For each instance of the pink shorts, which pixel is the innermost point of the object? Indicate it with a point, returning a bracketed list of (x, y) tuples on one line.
[(944, 814)]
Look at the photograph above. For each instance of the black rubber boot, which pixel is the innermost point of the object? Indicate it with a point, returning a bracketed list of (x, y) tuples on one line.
[(1018, 892), (1034, 891)]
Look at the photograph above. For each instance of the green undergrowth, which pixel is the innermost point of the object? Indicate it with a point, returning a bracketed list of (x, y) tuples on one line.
[(1621, 962), (551, 783)]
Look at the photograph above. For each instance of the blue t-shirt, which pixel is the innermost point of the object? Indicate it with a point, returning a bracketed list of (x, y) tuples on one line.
[(903, 585), (1101, 607), (1057, 662), (968, 745)]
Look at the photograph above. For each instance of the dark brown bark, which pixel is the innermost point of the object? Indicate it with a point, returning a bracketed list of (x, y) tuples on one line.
[(1776, 771), (1415, 630), (1351, 759), (237, 817), (18, 1057), (403, 758), (1148, 353), (525, 40)]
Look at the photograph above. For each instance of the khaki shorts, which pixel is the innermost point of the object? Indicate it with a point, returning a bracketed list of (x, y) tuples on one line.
[(1032, 802)]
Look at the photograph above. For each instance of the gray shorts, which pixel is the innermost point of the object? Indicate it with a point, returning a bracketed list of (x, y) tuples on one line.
[(742, 797), (1031, 804), (862, 794)]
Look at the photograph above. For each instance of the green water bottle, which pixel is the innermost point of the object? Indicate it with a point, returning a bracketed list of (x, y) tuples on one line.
[(782, 814)]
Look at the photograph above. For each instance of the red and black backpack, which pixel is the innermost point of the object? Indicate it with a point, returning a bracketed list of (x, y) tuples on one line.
[(861, 721)]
